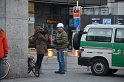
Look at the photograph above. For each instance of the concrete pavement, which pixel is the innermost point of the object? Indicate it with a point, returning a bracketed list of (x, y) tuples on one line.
[(75, 73), (48, 67)]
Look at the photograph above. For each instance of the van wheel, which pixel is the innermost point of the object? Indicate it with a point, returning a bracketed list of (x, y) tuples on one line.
[(76, 40), (99, 67), (112, 71)]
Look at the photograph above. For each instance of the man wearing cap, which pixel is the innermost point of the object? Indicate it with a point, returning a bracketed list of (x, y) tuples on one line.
[(61, 43)]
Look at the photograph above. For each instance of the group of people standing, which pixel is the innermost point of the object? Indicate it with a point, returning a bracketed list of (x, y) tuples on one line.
[(41, 37), (60, 44)]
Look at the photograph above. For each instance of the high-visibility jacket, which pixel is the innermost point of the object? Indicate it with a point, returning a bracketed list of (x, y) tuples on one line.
[(3, 44)]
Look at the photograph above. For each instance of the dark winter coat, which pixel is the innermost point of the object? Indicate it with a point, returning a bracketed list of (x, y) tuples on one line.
[(41, 43)]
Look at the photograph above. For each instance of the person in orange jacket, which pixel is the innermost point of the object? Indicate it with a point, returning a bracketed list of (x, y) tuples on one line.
[(3, 46)]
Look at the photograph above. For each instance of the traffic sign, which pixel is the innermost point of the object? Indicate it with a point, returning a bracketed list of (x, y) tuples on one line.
[(106, 20), (76, 16), (77, 22), (76, 12)]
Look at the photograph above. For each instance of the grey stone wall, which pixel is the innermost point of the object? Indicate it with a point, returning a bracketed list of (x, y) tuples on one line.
[(2, 14), (14, 20)]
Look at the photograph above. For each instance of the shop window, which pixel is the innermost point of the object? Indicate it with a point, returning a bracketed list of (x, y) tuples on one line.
[(118, 0)]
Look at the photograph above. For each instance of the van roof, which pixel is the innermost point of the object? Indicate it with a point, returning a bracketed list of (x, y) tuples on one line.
[(102, 26)]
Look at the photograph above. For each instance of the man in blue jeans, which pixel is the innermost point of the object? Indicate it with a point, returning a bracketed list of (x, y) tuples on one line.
[(61, 43)]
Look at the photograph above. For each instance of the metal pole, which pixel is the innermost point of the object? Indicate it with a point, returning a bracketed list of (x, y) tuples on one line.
[(66, 54), (77, 3)]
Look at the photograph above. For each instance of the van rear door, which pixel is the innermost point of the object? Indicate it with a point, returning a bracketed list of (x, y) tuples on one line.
[(118, 48)]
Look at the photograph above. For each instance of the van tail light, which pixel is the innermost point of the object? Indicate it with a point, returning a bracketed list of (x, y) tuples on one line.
[(79, 53)]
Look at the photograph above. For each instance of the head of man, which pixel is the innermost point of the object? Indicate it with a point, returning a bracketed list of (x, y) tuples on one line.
[(60, 26)]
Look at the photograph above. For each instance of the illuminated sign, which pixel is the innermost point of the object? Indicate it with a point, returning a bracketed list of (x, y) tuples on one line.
[(52, 21)]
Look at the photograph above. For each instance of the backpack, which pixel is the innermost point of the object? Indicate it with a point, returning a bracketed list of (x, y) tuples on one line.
[(32, 42)]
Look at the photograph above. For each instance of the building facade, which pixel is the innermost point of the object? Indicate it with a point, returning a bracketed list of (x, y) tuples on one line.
[(59, 11), (14, 21), (116, 7)]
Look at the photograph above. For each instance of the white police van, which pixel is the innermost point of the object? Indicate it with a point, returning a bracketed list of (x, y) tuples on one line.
[(102, 48)]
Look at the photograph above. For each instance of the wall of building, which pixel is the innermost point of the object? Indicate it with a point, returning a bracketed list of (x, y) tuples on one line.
[(14, 20), (2, 14), (31, 19), (44, 11), (73, 2), (116, 8)]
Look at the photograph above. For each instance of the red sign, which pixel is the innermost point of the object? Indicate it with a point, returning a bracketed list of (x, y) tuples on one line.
[(76, 12), (76, 15)]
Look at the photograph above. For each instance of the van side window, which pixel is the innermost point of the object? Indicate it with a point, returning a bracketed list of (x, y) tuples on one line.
[(99, 34), (119, 38)]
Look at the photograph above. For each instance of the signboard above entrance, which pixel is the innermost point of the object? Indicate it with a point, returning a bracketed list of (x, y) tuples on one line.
[(51, 21)]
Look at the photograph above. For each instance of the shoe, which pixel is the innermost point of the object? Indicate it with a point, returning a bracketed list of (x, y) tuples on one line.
[(29, 71), (61, 72), (37, 72), (57, 72)]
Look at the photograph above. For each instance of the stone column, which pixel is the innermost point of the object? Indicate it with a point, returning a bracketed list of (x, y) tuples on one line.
[(14, 20)]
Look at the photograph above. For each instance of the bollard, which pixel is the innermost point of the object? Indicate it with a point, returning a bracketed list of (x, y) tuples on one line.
[(50, 52)]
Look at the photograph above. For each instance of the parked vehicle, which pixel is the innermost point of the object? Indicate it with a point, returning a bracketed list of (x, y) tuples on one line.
[(101, 47)]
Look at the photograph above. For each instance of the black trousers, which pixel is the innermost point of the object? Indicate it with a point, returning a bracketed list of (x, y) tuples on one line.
[(39, 60)]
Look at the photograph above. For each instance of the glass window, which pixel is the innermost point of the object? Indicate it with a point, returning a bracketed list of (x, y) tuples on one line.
[(118, 0), (119, 38), (99, 34)]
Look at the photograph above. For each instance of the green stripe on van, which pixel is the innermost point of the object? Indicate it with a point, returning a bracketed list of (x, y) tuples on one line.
[(95, 44), (118, 60)]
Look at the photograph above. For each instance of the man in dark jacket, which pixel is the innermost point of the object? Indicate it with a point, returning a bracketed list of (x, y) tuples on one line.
[(41, 45), (61, 43)]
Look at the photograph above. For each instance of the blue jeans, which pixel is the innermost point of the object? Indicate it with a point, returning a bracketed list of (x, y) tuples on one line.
[(61, 59)]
